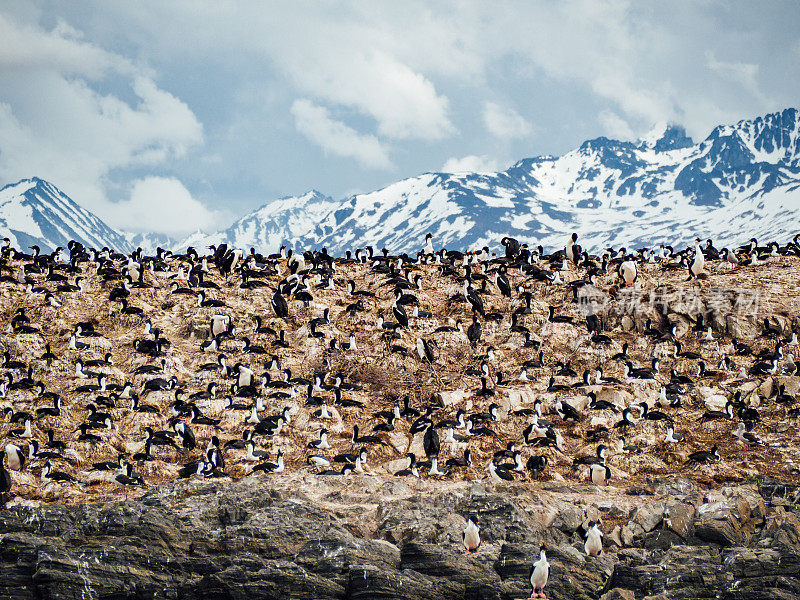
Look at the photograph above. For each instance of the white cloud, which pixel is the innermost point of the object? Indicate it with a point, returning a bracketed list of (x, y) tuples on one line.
[(409, 76), (404, 65), (471, 163), (403, 102), (615, 126), (29, 48), (335, 137), (505, 122), (375, 60), (743, 74), (57, 125), (161, 205)]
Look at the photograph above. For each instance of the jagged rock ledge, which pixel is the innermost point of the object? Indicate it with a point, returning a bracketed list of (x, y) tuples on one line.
[(369, 537)]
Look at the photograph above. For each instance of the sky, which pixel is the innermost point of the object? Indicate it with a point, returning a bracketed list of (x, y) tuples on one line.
[(176, 116)]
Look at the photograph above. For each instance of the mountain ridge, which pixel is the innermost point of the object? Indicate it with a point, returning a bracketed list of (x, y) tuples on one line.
[(741, 178), (741, 181)]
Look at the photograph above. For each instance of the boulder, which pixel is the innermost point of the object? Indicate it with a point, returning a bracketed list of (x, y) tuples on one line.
[(618, 594), (729, 517), (450, 397)]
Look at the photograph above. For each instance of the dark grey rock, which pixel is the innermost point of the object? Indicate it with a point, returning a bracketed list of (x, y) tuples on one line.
[(198, 540)]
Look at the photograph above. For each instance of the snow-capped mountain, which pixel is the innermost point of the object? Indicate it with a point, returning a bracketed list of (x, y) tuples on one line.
[(35, 212), (286, 221), (148, 242), (742, 181)]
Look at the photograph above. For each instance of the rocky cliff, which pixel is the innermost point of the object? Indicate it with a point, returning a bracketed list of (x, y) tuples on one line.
[(314, 538)]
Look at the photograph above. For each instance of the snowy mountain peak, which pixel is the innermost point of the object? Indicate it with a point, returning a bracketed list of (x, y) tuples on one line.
[(26, 185), (35, 212), (272, 225), (666, 136), (773, 138), (312, 195)]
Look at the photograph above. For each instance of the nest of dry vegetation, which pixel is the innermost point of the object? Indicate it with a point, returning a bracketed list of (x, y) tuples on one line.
[(734, 302)]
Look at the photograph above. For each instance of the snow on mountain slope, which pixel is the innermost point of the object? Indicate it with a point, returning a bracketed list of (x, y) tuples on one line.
[(278, 221), (148, 242), (34, 212), (742, 180), (282, 222)]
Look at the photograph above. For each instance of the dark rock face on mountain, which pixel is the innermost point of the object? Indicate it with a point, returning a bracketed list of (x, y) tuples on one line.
[(369, 537)]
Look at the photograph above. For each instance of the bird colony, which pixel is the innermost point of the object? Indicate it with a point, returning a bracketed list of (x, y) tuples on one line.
[(123, 372)]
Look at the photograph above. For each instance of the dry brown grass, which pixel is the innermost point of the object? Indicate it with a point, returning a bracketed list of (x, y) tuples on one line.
[(385, 377)]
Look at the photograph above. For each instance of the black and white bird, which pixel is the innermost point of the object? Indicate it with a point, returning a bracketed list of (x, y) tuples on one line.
[(717, 415), (471, 535), (48, 474), (15, 456), (593, 544), (252, 454), (474, 332), (745, 437), (567, 412), (279, 305), (599, 457), (628, 272), (271, 467), (400, 314), (5, 478), (211, 345), (497, 473), (599, 473), (536, 465), (322, 442), (730, 258), (595, 404), (704, 456), (653, 415), (24, 432), (671, 437), (425, 350), (431, 442), (572, 250), (697, 263), (679, 353), (539, 573)]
